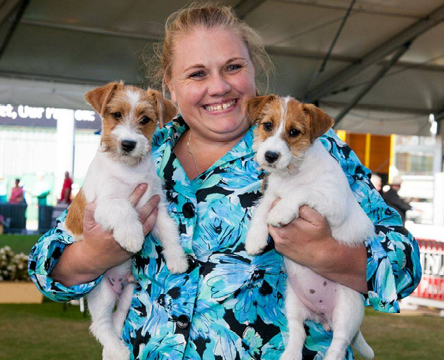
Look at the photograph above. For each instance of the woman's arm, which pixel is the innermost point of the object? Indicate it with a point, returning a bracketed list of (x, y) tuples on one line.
[(63, 269), (390, 267), (307, 240)]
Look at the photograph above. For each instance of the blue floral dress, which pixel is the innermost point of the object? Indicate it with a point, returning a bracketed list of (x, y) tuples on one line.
[(230, 305)]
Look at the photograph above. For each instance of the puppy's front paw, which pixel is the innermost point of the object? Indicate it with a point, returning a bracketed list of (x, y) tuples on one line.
[(176, 260), (130, 236), (256, 241), (281, 215), (120, 216)]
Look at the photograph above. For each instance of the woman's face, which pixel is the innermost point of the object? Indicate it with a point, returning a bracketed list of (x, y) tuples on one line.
[(212, 76)]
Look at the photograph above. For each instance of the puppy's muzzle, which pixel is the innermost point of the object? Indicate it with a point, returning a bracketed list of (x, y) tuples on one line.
[(271, 156), (128, 145)]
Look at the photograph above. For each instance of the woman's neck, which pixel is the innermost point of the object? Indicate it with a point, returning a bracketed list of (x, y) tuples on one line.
[(197, 154)]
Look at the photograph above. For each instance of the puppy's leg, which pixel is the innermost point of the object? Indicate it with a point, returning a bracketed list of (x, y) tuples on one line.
[(123, 306), (101, 303), (327, 204), (121, 217), (285, 210), (347, 318), (296, 313), (166, 231), (257, 236)]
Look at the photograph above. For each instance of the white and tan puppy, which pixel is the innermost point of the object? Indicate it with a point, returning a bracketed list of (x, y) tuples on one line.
[(123, 161), (303, 173)]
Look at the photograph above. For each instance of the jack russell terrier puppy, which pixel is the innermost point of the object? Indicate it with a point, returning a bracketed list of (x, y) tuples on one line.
[(123, 161), (301, 172)]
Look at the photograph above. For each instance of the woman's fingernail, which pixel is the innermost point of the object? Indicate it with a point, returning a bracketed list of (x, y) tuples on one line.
[(143, 186)]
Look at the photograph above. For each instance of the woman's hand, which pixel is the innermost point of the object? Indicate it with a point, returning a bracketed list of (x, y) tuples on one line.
[(86, 260), (308, 241), (303, 239)]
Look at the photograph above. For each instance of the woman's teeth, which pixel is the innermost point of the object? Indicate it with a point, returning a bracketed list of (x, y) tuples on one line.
[(220, 107)]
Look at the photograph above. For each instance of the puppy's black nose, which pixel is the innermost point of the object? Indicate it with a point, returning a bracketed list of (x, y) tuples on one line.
[(271, 156), (128, 145)]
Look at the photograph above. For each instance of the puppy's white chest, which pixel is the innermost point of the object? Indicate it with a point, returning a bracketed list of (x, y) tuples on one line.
[(107, 179), (281, 187)]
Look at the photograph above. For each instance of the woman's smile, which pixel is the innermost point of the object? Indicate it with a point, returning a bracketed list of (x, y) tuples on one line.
[(220, 107)]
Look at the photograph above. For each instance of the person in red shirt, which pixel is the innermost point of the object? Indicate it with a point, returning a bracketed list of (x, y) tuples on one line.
[(65, 196), (16, 193)]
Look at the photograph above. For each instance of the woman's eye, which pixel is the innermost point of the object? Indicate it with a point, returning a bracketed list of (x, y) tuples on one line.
[(267, 126), (197, 74), (294, 132), (145, 120), (233, 67), (117, 115)]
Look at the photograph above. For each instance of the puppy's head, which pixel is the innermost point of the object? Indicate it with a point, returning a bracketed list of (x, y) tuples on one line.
[(130, 116), (286, 129)]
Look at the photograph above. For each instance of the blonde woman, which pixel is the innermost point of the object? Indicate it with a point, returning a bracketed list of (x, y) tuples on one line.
[(229, 305)]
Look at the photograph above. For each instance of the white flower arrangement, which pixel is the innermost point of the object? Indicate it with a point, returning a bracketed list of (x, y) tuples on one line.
[(13, 267)]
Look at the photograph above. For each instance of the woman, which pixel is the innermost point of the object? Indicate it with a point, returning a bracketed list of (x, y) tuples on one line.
[(65, 195), (17, 196), (229, 305)]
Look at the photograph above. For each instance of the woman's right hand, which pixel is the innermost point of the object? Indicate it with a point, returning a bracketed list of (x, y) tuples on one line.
[(86, 260)]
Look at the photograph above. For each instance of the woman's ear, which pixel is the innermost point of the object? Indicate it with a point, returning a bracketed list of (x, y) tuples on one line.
[(171, 90)]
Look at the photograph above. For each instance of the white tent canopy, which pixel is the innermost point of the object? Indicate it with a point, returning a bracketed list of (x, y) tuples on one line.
[(385, 71)]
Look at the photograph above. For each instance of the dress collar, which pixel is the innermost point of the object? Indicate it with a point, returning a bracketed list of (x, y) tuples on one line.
[(243, 148)]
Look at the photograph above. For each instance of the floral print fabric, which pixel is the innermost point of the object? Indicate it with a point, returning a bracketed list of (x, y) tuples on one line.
[(230, 305)]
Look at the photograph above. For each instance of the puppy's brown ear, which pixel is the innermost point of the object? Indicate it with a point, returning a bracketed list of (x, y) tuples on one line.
[(166, 110), (320, 122), (254, 106), (100, 97)]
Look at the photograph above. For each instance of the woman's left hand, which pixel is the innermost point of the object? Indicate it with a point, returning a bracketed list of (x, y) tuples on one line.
[(308, 241), (304, 239)]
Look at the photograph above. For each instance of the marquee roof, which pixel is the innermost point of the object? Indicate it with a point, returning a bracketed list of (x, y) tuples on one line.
[(383, 74)]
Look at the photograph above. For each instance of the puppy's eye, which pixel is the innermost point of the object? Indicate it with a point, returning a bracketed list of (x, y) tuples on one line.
[(117, 115), (294, 132), (267, 126), (145, 120)]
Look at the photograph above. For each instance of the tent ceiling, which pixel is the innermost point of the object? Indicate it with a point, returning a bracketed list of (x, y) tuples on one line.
[(59, 49)]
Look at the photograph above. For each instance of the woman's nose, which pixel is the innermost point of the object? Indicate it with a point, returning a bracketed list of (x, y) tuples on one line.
[(218, 86)]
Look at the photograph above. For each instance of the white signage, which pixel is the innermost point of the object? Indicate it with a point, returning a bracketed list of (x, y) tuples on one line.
[(24, 115)]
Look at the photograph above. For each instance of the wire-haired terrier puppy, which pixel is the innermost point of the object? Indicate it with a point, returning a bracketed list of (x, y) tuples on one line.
[(130, 116), (301, 172)]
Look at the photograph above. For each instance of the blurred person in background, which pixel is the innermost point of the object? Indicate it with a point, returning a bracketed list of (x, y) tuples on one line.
[(377, 182), (65, 196), (3, 189), (393, 199), (41, 190), (17, 195)]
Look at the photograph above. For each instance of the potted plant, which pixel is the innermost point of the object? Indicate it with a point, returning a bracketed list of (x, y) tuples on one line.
[(15, 285)]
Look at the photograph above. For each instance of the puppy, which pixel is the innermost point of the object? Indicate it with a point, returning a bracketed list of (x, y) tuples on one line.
[(301, 172), (129, 118)]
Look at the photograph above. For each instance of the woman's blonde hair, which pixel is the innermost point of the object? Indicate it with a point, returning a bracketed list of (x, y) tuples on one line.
[(208, 15)]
